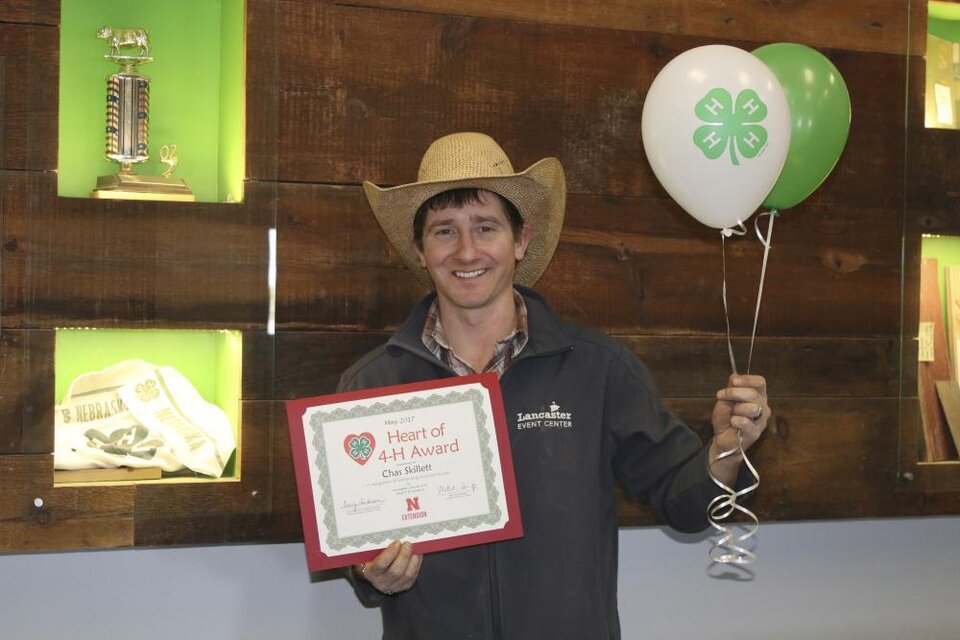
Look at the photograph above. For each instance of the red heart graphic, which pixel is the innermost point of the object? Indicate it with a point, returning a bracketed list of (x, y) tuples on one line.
[(359, 447)]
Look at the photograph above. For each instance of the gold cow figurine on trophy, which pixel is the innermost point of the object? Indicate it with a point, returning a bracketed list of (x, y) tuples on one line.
[(125, 38)]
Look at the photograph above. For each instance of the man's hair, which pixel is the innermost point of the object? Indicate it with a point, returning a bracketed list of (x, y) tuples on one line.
[(458, 198)]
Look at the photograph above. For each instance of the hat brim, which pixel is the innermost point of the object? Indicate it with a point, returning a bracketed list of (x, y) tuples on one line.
[(539, 193)]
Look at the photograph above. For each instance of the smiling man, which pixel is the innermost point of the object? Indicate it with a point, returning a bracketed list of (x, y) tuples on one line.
[(469, 245), (583, 411)]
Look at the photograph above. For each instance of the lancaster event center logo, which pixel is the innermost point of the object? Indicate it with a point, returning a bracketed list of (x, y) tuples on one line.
[(555, 418)]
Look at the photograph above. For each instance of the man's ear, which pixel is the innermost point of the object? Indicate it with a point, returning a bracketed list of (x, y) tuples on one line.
[(419, 252), (523, 241)]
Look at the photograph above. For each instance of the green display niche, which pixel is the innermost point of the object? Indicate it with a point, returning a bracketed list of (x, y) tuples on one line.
[(211, 360), (942, 92), (196, 92)]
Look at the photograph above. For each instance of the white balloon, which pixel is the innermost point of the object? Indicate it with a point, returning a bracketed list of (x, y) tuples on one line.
[(716, 131)]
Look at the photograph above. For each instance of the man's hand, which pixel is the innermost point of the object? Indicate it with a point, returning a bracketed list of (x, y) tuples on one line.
[(394, 570), (741, 409)]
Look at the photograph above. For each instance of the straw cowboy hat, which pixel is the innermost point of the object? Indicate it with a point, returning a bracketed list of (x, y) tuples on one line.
[(475, 160)]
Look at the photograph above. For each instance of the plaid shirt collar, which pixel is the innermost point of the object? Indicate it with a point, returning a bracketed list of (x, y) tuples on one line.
[(505, 351)]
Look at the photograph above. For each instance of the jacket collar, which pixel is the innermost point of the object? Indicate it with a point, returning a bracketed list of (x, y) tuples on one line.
[(548, 334)]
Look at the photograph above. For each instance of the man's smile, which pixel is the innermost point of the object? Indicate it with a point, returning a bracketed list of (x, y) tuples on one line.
[(466, 275)]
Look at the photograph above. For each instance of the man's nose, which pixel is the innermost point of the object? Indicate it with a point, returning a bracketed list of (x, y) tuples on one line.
[(466, 247)]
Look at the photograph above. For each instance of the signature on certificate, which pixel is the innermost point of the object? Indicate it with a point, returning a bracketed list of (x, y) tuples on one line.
[(362, 505), (461, 490)]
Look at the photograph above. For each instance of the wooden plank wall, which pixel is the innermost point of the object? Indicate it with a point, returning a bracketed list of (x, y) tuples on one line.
[(339, 93)]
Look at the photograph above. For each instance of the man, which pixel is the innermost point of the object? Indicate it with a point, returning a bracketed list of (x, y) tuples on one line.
[(480, 233)]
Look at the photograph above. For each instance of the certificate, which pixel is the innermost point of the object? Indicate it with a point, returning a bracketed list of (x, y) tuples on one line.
[(427, 463)]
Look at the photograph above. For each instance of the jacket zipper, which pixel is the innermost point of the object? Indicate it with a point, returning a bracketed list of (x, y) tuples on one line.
[(496, 623), (496, 617)]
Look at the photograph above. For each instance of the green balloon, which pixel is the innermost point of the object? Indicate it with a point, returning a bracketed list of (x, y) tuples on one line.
[(819, 119)]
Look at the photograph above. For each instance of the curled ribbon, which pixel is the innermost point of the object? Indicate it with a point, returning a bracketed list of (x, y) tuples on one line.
[(729, 547)]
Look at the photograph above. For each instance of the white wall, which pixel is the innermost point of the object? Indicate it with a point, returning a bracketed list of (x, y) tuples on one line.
[(876, 579)]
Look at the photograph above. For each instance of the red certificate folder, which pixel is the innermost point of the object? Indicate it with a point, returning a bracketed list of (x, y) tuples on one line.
[(373, 465)]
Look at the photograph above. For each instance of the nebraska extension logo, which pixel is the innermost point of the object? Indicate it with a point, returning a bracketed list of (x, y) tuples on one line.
[(413, 509)]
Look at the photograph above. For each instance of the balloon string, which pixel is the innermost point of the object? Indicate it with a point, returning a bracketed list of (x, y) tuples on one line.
[(724, 234), (729, 547), (765, 241)]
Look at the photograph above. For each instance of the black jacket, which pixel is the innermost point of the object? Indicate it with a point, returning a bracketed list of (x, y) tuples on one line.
[(559, 581)]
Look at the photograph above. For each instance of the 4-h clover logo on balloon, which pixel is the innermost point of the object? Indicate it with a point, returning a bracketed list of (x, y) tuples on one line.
[(731, 126), (359, 446)]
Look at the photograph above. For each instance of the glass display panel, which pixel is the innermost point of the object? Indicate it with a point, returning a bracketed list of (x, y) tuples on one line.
[(165, 403), (159, 87), (930, 348), (184, 287), (938, 359)]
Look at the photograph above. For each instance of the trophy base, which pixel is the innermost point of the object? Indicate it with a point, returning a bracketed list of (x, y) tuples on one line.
[(130, 186)]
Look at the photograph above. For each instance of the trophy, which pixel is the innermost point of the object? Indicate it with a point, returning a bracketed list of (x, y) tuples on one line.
[(128, 124)]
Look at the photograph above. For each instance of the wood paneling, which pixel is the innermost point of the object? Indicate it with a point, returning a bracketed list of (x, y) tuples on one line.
[(860, 25), (337, 271), (31, 11), (116, 263), (820, 368), (360, 93), (257, 378), (309, 363), (935, 181), (26, 391), (285, 522), (642, 266), (67, 518), (262, 88), (29, 55), (822, 459)]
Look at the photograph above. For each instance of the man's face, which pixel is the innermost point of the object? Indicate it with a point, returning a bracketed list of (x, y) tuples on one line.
[(471, 253)]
